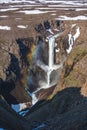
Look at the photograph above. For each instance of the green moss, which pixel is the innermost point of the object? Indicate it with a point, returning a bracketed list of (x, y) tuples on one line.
[(78, 53), (75, 78)]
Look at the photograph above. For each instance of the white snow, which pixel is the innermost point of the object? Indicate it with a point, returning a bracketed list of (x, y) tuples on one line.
[(70, 41), (53, 14), (18, 18), (55, 29), (71, 38), (22, 26), (72, 3), (5, 28), (77, 34), (34, 11), (9, 9), (17, 1), (57, 50), (49, 30), (69, 50), (73, 25), (62, 2), (81, 9), (81, 17), (4, 16)]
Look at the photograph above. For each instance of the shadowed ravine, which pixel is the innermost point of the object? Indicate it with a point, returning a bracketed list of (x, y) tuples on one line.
[(67, 108)]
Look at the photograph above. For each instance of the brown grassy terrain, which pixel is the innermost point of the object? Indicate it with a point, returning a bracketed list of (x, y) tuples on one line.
[(8, 37)]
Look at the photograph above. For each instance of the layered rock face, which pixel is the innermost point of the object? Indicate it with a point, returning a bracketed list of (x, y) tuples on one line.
[(20, 53)]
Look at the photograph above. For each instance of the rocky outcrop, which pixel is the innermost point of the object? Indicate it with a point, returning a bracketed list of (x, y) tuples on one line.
[(9, 119), (74, 72), (67, 110)]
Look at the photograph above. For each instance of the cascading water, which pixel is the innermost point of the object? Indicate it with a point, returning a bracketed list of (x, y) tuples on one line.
[(50, 70), (43, 74), (51, 59), (51, 52), (51, 65)]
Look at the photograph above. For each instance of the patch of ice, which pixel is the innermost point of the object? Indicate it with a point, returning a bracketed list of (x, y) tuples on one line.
[(9, 9), (81, 17), (5, 28), (34, 11), (22, 26), (16, 107), (19, 107), (2, 129)]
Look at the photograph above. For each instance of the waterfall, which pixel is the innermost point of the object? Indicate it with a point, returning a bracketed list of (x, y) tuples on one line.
[(50, 71), (48, 78), (51, 52), (51, 58)]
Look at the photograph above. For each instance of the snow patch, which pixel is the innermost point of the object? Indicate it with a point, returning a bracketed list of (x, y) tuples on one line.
[(9, 9), (22, 26), (57, 50), (73, 25), (81, 9), (70, 41), (81, 17), (50, 31), (17, 1), (77, 34), (5, 28), (34, 12), (53, 14), (4, 16)]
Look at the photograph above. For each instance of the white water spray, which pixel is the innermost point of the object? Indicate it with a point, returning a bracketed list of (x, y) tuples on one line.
[(51, 52)]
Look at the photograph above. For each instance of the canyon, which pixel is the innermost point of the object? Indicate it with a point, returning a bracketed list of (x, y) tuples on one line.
[(43, 59)]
